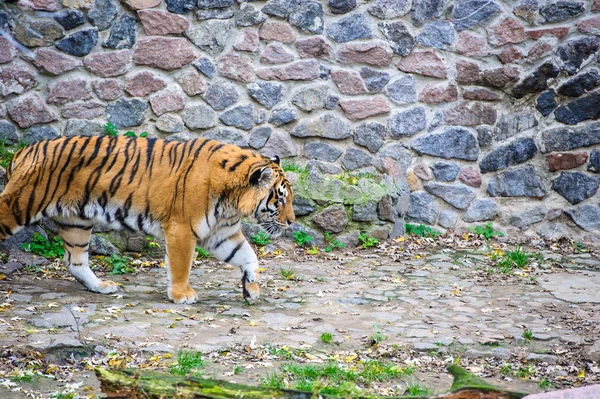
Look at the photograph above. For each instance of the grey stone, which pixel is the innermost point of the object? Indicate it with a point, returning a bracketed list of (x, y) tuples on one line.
[(355, 159), (528, 217), (438, 34), (576, 186), (407, 123), (569, 138), (126, 113), (398, 36), (501, 353), (241, 116), (481, 210), (22, 237), (374, 80), (332, 219), (260, 117), (586, 216), (422, 208), (423, 10), (324, 167), (444, 171), (259, 137), (8, 133), (122, 34), (328, 125), (542, 358), (103, 14), (248, 15), (303, 206), (180, 6), (352, 27), (101, 246), (402, 90), (227, 136), (280, 8), (211, 35), (321, 151), (386, 210), (518, 151), (211, 4), (170, 123), (38, 133), (448, 218), (552, 231), (214, 13), (198, 117), (317, 236), (546, 102), (425, 347), (79, 43), (370, 135), (221, 94), (526, 9), (267, 93), (467, 14), (365, 212), (280, 144), (592, 353), (458, 195), (341, 6), (593, 165), (398, 230), (281, 116), (560, 10), (574, 52), (537, 81), (485, 136), (206, 66), (398, 153), (454, 142), (81, 127), (181, 137), (308, 16), (311, 98), (580, 84), (37, 32), (331, 102), (389, 9), (518, 182), (579, 110), (350, 240), (70, 19)]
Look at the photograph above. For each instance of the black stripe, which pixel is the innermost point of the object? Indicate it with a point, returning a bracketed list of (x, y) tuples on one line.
[(66, 226), (238, 163), (235, 250), (217, 148), (75, 245)]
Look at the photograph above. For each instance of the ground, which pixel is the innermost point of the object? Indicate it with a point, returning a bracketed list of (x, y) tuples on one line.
[(393, 316)]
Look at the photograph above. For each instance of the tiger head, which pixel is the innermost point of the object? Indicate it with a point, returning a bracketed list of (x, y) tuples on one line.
[(274, 212)]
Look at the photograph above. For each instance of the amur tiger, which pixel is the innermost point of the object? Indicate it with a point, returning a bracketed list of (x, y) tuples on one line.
[(186, 193)]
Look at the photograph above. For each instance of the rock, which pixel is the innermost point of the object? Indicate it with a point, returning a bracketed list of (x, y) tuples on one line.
[(448, 219), (215, 13), (180, 6), (457, 195), (579, 110), (470, 114), (275, 54), (69, 90), (17, 79), (332, 219), (7, 51), (247, 15), (143, 83), (122, 34), (472, 45), (586, 216), (281, 116), (566, 160), (237, 67), (280, 8), (541, 49), (321, 151), (438, 94), (205, 66), (386, 210), (509, 30), (158, 22), (402, 90), (267, 93), (444, 171), (169, 123), (39, 133), (552, 231), (191, 83), (546, 102), (352, 27), (308, 17), (355, 159), (103, 14), (373, 53), (364, 108), (565, 138), (468, 73), (241, 117), (594, 165), (438, 34), (589, 26), (37, 32), (467, 14), (211, 36), (561, 10), (518, 151), (166, 53), (140, 4), (370, 135), (227, 136), (108, 64), (126, 113), (422, 209), (101, 246), (389, 9), (537, 81), (259, 137), (485, 136), (313, 47), (470, 176), (528, 217), (277, 31), (248, 40), (407, 123), (517, 182), (426, 63), (341, 6), (348, 82), (198, 116), (108, 90), (70, 19), (327, 125), (280, 144), (22, 237), (422, 171), (576, 186), (79, 43), (332, 102), (423, 10), (592, 353), (510, 54), (374, 80), (481, 210), (365, 213), (500, 77), (221, 95), (311, 98), (454, 142), (580, 84), (574, 52), (398, 36), (29, 110), (303, 206), (301, 70), (86, 110), (210, 4), (559, 32), (167, 101), (8, 133)]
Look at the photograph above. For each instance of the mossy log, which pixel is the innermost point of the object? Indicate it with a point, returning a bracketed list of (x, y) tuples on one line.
[(143, 384)]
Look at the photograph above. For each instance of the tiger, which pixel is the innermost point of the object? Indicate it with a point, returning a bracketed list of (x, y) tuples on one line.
[(187, 193)]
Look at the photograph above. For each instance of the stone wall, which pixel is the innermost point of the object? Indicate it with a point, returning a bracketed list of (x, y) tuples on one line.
[(487, 107)]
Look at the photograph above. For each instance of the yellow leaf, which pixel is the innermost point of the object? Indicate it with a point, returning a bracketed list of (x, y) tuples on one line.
[(172, 326), (312, 251), (581, 374), (253, 323), (466, 237), (2, 276), (350, 358), (167, 356), (400, 239), (418, 256), (262, 269)]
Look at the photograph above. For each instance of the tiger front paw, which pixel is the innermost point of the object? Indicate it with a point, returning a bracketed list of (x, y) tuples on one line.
[(105, 287), (185, 295), (250, 290)]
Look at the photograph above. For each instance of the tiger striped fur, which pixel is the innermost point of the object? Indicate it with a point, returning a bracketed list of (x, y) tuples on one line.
[(186, 193)]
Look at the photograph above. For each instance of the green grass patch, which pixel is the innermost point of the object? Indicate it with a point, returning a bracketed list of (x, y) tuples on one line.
[(302, 238), (486, 231), (188, 362), (326, 337), (291, 166), (261, 238), (202, 254), (332, 243), (416, 389), (377, 336), (528, 334), (50, 249), (118, 264), (287, 274), (366, 241), (421, 230)]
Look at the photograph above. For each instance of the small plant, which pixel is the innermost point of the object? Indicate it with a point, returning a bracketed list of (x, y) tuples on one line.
[(301, 238), (287, 274), (6, 155), (366, 241), (415, 389), (238, 370), (377, 337), (50, 249), (64, 395), (119, 264), (326, 337), (486, 231), (332, 243), (321, 279), (421, 230), (525, 372), (580, 247), (545, 385), (143, 134), (291, 166), (188, 362), (528, 334), (261, 238), (312, 251), (506, 369), (110, 129), (519, 256), (130, 134), (201, 253)]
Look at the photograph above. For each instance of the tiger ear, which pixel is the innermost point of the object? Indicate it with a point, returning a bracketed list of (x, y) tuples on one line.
[(276, 160), (262, 178)]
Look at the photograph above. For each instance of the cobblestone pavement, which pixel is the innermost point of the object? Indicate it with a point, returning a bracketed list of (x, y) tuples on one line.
[(421, 307)]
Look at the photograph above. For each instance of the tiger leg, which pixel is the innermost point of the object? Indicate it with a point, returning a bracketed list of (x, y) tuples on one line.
[(181, 244), (9, 223), (75, 234)]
